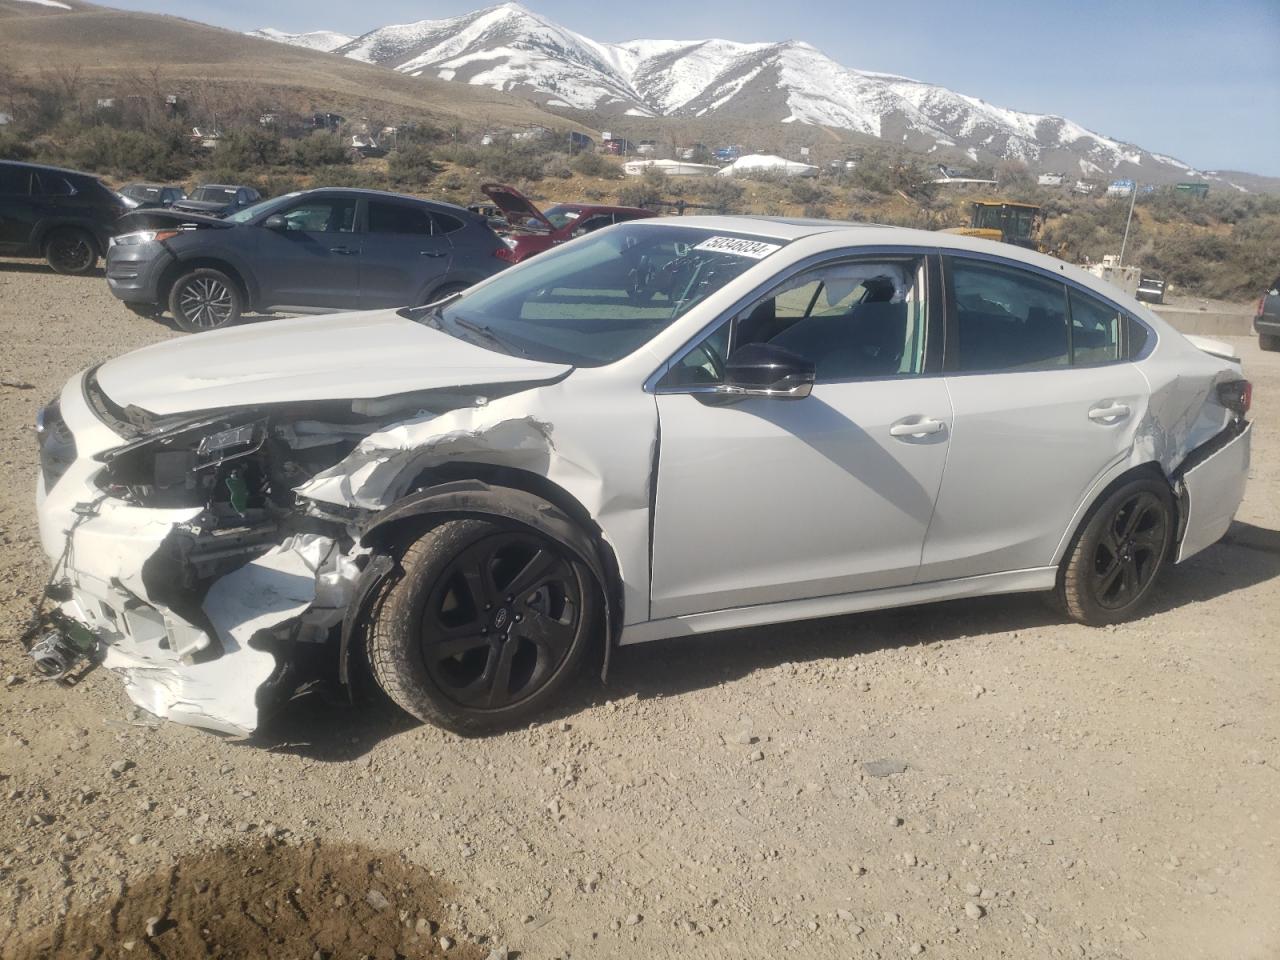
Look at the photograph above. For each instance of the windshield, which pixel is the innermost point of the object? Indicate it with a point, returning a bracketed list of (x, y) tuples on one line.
[(600, 298), (562, 214), (142, 193), (258, 209), (216, 194)]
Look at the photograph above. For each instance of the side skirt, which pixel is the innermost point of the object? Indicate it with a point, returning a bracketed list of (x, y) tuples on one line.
[(1016, 581)]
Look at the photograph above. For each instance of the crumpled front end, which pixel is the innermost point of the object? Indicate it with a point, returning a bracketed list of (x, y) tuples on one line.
[(213, 554), (193, 615)]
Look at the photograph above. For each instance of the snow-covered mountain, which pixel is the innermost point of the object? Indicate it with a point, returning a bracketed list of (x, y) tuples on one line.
[(323, 40), (510, 48)]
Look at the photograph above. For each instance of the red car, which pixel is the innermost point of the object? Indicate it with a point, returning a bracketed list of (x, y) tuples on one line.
[(533, 230)]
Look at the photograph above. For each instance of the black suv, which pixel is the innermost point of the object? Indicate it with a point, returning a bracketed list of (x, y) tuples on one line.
[(315, 251), (64, 216)]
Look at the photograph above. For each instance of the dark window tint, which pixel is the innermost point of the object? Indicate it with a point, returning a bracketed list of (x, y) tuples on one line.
[(445, 223), (53, 185), (399, 218), (854, 320), (15, 180), (1137, 336), (1008, 319), (1095, 329), (322, 216), (592, 224)]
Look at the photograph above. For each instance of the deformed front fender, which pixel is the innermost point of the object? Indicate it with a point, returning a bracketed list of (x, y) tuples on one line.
[(460, 499)]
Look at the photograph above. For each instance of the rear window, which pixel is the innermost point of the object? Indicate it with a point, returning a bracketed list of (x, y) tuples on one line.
[(55, 185), (446, 223), (142, 193), (214, 194)]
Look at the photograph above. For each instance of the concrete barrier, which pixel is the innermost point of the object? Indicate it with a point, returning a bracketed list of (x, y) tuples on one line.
[(1208, 323)]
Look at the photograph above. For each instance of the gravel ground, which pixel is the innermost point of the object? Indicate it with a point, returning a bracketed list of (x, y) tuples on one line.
[(1050, 790)]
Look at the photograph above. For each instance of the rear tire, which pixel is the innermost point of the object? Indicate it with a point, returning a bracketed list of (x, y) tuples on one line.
[(487, 626), (1112, 567), (71, 251), (1269, 341), (205, 299)]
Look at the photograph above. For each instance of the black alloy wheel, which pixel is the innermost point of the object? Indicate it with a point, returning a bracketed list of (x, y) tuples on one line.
[(1129, 551), (487, 622), (500, 621), (1116, 559), (71, 252)]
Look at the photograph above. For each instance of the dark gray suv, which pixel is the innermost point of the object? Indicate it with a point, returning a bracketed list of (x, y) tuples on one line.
[(310, 252), (1267, 322), (64, 216)]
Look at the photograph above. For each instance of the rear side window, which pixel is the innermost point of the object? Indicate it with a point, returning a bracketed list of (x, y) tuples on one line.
[(1095, 329), (399, 218), (53, 185), (15, 181), (447, 223), (1008, 319)]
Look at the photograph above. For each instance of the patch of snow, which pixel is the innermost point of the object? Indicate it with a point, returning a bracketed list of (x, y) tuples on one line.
[(325, 41), (47, 3)]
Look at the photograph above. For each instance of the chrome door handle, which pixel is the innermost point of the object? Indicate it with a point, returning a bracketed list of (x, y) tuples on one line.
[(344, 251), (916, 428), (1113, 413), (432, 253)]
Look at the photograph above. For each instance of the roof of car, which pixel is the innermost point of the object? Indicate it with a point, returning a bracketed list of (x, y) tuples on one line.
[(385, 195), (45, 166), (839, 234)]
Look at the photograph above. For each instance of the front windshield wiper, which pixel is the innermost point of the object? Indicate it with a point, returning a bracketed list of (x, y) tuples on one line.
[(487, 332), (428, 315)]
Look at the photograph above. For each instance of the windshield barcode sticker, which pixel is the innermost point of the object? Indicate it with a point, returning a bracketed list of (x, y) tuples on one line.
[(755, 249)]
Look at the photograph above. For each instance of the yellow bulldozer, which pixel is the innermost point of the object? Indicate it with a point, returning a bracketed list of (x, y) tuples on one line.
[(1016, 223)]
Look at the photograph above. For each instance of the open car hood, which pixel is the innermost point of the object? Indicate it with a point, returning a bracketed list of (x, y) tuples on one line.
[(150, 218), (351, 356), (518, 209)]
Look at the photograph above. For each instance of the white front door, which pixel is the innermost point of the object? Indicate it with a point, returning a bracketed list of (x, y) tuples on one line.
[(761, 500), (768, 500)]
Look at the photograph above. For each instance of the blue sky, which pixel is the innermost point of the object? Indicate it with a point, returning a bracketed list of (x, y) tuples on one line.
[(1196, 80)]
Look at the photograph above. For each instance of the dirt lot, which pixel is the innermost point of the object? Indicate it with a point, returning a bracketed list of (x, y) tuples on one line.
[(1066, 792)]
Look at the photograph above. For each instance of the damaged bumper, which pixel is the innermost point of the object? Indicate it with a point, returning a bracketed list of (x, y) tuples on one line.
[(197, 660)]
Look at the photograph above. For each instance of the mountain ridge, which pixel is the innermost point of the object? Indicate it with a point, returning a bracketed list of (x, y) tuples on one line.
[(510, 48)]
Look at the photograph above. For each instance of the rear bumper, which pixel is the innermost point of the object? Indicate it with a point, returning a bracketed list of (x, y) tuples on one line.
[(134, 272), (1267, 323), (1211, 490)]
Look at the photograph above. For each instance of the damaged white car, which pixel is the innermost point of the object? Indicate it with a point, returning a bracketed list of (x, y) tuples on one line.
[(664, 428)]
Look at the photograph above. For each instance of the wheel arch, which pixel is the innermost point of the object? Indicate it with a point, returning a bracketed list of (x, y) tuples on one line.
[(484, 491), (178, 268), (45, 228), (1102, 489)]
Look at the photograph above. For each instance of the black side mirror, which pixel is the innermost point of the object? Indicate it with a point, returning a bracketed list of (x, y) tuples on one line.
[(276, 222), (764, 370)]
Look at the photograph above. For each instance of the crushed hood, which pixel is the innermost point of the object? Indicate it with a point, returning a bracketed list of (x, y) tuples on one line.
[(352, 356)]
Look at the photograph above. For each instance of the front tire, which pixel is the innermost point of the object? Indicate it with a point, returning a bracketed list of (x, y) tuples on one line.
[(1269, 341), (487, 626), (1112, 568), (205, 299), (71, 251)]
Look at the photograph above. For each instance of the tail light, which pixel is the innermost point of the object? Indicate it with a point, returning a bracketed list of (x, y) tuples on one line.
[(1236, 396), (505, 253), (1262, 303)]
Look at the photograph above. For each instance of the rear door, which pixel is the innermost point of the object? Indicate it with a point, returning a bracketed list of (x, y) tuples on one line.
[(315, 261), (1045, 402), (404, 254), (17, 213)]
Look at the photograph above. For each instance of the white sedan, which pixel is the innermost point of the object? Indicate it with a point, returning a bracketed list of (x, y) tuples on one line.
[(665, 428)]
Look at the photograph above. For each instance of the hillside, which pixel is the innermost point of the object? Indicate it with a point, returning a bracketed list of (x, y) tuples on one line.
[(113, 49)]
